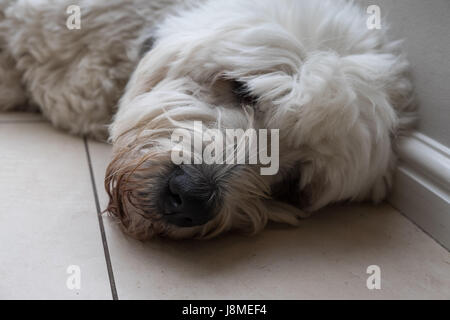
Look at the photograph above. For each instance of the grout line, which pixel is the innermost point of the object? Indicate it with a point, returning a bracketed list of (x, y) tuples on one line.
[(101, 225), (418, 226), (23, 121), (439, 243)]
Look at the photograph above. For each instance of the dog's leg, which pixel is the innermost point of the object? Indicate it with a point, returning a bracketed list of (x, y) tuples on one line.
[(12, 91), (77, 75)]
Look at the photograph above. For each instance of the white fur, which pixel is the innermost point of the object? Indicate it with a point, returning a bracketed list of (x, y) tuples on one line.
[(74, 76), (338, 92)]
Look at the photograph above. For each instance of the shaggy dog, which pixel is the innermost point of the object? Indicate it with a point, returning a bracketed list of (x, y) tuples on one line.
[(338, 93)]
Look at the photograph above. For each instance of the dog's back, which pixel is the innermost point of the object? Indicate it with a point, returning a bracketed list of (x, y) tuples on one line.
[(80, 71)]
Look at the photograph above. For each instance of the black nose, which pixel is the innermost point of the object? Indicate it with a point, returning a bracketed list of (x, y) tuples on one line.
[(189, 198)]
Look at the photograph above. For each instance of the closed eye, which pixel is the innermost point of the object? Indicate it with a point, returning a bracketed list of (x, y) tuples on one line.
[(242, 93)]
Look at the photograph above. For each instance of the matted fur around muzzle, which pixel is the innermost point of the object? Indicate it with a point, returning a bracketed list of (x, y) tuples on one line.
[(138, 173)]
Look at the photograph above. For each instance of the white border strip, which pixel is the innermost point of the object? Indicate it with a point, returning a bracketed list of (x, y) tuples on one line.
[(422, 185)]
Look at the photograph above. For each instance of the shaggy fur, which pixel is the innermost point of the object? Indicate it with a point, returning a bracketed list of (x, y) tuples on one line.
[(338, 92)]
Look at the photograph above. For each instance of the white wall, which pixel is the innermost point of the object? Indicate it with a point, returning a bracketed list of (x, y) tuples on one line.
[(425, 26)]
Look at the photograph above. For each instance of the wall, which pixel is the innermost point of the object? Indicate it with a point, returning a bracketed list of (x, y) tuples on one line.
[(425, 26)]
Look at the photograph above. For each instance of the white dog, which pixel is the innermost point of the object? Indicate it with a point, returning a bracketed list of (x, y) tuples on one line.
[(338, 92)]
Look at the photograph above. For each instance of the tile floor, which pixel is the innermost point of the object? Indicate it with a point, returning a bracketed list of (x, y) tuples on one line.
[(49, 221)]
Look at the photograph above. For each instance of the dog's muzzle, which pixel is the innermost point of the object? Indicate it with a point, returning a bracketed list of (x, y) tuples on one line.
[(189, 198)]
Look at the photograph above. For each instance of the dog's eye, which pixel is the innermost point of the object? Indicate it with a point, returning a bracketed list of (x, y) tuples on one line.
[(243, 94), (147, 45)]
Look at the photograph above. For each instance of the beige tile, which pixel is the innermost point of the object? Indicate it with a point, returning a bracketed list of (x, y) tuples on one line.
[(20, 117), (48, 217), (326, 257)]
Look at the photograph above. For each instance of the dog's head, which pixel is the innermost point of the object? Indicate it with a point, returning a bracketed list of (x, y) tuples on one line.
[(324, 80)]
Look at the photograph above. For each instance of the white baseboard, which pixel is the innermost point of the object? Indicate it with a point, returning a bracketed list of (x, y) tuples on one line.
[(422, 185)]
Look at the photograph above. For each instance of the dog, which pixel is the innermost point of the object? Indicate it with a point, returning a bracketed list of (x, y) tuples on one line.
[(338, 92)]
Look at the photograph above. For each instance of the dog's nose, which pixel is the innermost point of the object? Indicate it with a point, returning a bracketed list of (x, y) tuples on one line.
[(189, 199)]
